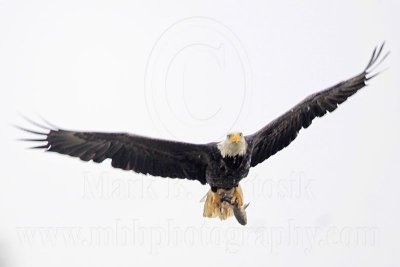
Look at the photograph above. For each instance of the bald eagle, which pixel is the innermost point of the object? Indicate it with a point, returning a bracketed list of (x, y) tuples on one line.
[(222, 165)]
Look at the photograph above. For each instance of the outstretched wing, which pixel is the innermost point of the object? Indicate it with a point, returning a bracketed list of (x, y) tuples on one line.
[(282, 131), (130, 152)]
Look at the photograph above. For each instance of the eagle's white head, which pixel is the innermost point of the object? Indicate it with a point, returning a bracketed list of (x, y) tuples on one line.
[(233, 145)]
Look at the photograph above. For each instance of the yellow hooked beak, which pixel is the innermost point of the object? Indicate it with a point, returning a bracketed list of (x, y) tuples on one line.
[(236, 137)]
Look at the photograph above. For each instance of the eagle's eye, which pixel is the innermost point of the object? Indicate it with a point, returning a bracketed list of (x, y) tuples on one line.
[(241, 134), (229, 136)]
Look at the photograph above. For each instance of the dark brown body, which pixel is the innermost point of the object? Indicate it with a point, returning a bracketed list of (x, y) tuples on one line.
[(227, 172)]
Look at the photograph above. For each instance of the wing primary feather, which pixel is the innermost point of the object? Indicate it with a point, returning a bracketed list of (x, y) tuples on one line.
[(384, 57), (103, 148), (367, 71), (128, 161), (101, 153), (76, 151), (114, 148), (372, 76), (40, 147), (49, 123), (379, 52), (35, 123), (372, 59), (29, 131), (32, 140)]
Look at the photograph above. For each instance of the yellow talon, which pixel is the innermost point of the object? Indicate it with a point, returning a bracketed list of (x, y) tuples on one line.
[(237, 195)]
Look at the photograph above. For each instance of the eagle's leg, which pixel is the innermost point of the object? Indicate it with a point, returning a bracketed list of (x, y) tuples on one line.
[(237, 195)]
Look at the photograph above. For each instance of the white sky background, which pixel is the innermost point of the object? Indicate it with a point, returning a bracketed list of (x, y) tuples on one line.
[(192, 72)]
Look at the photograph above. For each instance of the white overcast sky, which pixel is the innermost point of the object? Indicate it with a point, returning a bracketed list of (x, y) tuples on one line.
[(193, 71)]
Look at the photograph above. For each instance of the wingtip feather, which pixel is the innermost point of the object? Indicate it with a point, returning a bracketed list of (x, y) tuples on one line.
[(28, 130), (41, 126), (39, 147)]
